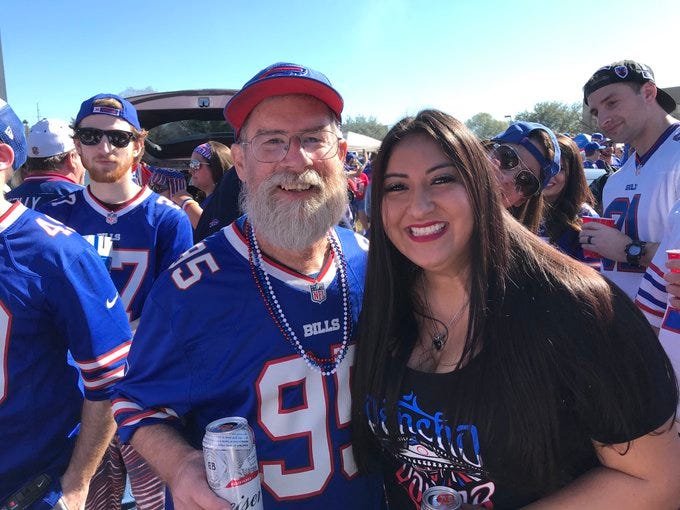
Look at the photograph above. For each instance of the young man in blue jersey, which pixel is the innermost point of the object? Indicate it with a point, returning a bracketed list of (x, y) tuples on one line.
[(257, 320), (55, 295), (137, 231), (53, 166)]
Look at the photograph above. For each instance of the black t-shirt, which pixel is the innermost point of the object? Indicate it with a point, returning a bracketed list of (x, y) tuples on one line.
[(427, 450), (223, 207)]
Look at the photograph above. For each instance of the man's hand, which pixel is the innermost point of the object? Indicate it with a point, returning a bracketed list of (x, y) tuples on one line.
[(607, 241), (673, 279), (74, 495), (190, 490)]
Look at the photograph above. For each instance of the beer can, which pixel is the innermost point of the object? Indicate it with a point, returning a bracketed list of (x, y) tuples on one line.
[(231, 462), (441, 498)]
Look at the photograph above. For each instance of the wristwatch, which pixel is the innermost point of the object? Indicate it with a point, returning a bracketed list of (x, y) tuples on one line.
[(634, 252)]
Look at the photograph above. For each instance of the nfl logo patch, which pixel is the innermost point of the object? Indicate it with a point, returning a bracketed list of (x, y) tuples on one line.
[(317, 292), (111, 218), (35, 150), (621, 71)]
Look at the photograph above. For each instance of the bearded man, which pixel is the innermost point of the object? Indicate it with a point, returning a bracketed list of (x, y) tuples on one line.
[(138, 233), (257, 320)]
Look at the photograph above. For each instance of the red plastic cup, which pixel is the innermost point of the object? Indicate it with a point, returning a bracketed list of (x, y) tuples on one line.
[(605, 221), (673, 254)]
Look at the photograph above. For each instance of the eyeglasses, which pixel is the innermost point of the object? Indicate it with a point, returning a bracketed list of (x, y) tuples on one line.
[(195, 165), (273, 147), (92, 136), (509, 162)]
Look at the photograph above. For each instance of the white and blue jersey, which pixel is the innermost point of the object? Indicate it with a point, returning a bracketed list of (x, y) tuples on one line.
[(55, 295), (138, 241), (39, 189), (207, 347), (639, 197)]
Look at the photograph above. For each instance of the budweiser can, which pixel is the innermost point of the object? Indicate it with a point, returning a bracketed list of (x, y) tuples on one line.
[(441, 498), (231, 462)]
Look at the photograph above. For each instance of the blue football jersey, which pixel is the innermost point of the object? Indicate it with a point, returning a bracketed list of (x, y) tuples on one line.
[(55, 295), (39, 189), (138, 241), (208, 348)]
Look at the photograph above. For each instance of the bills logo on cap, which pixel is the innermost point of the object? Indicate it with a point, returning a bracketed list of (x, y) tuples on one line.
[(285, 70), (107, 110), (621, 71)]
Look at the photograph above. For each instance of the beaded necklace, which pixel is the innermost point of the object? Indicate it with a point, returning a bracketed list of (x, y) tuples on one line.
[(326, 366)]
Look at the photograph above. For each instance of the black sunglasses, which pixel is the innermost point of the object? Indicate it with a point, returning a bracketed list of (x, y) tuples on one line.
[(508, 161), (92, 136)]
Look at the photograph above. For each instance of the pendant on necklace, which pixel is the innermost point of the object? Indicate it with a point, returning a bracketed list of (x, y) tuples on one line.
[(111, 218), (439, 340), (317, 292)]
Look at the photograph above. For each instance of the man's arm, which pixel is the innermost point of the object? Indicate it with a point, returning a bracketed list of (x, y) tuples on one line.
[(611, 243), (179, 465), (96, 430)]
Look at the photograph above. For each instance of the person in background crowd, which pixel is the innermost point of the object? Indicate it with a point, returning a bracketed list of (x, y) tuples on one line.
[(209, 162), (495, 364), (527, 156), (223, 207), (629, 108), (358, 183), (138, 232), (278, 292), (53, 167), (567, 199), (55, 295), (593, 152)]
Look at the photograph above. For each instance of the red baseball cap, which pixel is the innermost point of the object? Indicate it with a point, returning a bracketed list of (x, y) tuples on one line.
[(281, 79)]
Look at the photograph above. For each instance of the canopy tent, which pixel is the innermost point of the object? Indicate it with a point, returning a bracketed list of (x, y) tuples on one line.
[(358, 142)]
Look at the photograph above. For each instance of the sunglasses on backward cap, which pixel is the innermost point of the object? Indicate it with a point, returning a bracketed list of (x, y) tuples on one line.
[(508, 161), (92, 136)]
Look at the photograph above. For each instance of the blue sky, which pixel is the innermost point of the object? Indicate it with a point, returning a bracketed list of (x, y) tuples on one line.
[(388, 58)]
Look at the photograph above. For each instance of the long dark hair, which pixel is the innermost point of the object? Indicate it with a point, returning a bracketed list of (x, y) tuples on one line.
[(563, 214), (527, 304), (220, 160)]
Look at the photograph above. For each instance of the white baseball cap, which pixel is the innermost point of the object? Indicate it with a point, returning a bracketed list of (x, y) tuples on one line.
[(50, 137)]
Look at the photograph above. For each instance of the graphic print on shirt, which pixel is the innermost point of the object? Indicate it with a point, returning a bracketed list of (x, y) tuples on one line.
[(432, 452)]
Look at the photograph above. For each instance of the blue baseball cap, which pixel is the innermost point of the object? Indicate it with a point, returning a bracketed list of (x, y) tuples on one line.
[(593, 146), (12, 134), (518, 133), (127, 113), (281, 79)]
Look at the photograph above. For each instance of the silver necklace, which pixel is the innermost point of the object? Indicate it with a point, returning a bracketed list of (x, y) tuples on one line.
[(439, 339), (326, 366)]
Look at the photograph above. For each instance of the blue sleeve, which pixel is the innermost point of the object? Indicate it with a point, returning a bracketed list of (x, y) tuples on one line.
[(175, 236), (156, 387), (91, 316)]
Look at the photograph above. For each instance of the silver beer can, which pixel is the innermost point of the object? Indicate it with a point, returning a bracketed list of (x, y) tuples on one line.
[(441, 498), (231, 462)]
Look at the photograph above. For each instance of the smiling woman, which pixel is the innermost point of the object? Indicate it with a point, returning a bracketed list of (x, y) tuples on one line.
[(464, 377)]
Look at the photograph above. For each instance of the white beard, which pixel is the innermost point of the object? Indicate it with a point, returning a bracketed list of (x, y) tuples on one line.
[(295, 225)]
